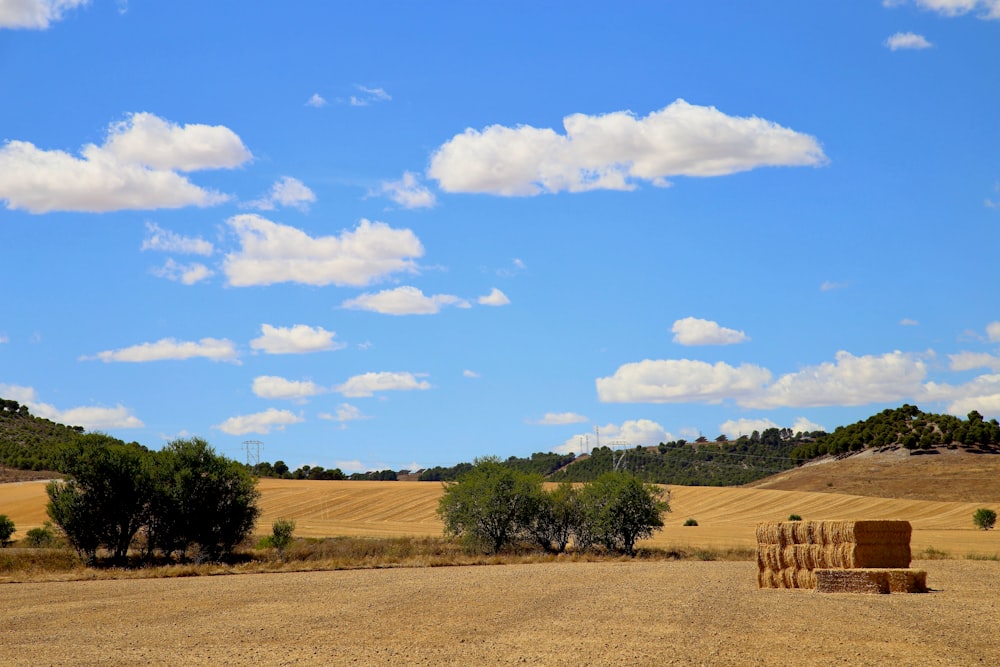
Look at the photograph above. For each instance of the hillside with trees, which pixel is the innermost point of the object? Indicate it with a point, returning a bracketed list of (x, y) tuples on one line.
[(31, 443)]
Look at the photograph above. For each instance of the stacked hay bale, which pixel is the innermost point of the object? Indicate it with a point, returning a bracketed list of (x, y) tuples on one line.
[(817, 554)]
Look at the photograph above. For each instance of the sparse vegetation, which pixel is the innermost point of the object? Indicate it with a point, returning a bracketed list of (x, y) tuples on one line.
[(41, 537), (691, 522), (794, 517)]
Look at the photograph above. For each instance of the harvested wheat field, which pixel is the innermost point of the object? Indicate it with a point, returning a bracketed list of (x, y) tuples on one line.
[(618, 613), (726, 516)]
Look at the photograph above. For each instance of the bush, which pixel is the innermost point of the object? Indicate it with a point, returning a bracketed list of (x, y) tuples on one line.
[(39, 538), (491, 505), (281, 534), (620, 509), (984, 518), (794, 517), (7, 529), (691, 522)]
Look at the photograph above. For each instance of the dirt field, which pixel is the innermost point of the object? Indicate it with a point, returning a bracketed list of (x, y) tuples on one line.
[(627, 613)]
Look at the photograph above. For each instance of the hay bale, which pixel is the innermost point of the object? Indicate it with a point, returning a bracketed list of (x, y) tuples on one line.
[(851, 581), (846, 556), (833, 532), (871, 580), (907, 580)]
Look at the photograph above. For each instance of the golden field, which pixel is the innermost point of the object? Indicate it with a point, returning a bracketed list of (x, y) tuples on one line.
[(726, 516), (619, 612)]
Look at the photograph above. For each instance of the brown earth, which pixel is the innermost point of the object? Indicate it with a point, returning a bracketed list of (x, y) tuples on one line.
[(619, 613), (628, 613), (939, 474)]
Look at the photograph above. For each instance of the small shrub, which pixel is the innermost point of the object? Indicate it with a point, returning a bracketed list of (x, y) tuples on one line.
[(983, 518), (691, 522), (6, 530), (794, 517), (281, 534), (40, 538), (991, 557), (930, 553)]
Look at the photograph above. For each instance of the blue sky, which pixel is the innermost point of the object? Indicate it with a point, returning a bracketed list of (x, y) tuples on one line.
[(398, 235)]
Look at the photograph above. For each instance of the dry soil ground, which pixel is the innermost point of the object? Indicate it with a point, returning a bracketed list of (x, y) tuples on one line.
[(621, 613)]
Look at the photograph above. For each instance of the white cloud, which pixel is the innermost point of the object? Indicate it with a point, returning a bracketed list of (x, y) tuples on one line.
[(216, 349), (369, 95), (345, 413), (316, 101), (34, 14), (4, 339), (693, 331), (964, 361), (164, 240), (615, 150), (494, 298), (274, 387), (986, 9), (274, 253), (993, 332), (89, 417), (189, 274), (260, 422), (630, 433), (136, 168), (297, 339), (849, 380), (907, 322), (146, 139), (803, 425), (982, 394), (286, 191), (470, 374), (404, 300), (561, 418), (408, 192), (907, 40), (681, 381), (829, 285), (368, 383), (737, 427)]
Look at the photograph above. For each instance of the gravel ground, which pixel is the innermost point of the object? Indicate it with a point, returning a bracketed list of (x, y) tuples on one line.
[(621, 613)]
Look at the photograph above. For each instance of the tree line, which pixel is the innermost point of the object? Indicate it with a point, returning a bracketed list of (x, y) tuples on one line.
[(181, 501), (493, 506)]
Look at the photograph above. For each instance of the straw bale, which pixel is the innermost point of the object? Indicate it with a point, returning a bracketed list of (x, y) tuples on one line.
[(833, 532), (851, 581), (864, 532), (907, 580), (850, 556), (871, 580)]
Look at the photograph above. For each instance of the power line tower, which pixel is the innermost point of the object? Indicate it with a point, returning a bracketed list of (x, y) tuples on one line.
[(253, 448), (618, 462)]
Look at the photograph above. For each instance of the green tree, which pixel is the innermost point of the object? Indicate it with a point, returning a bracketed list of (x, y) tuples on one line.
[(490, 505), (621, 509), (984, 518), (558, 517), (7, 529), (201, 498), (106, 500)]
